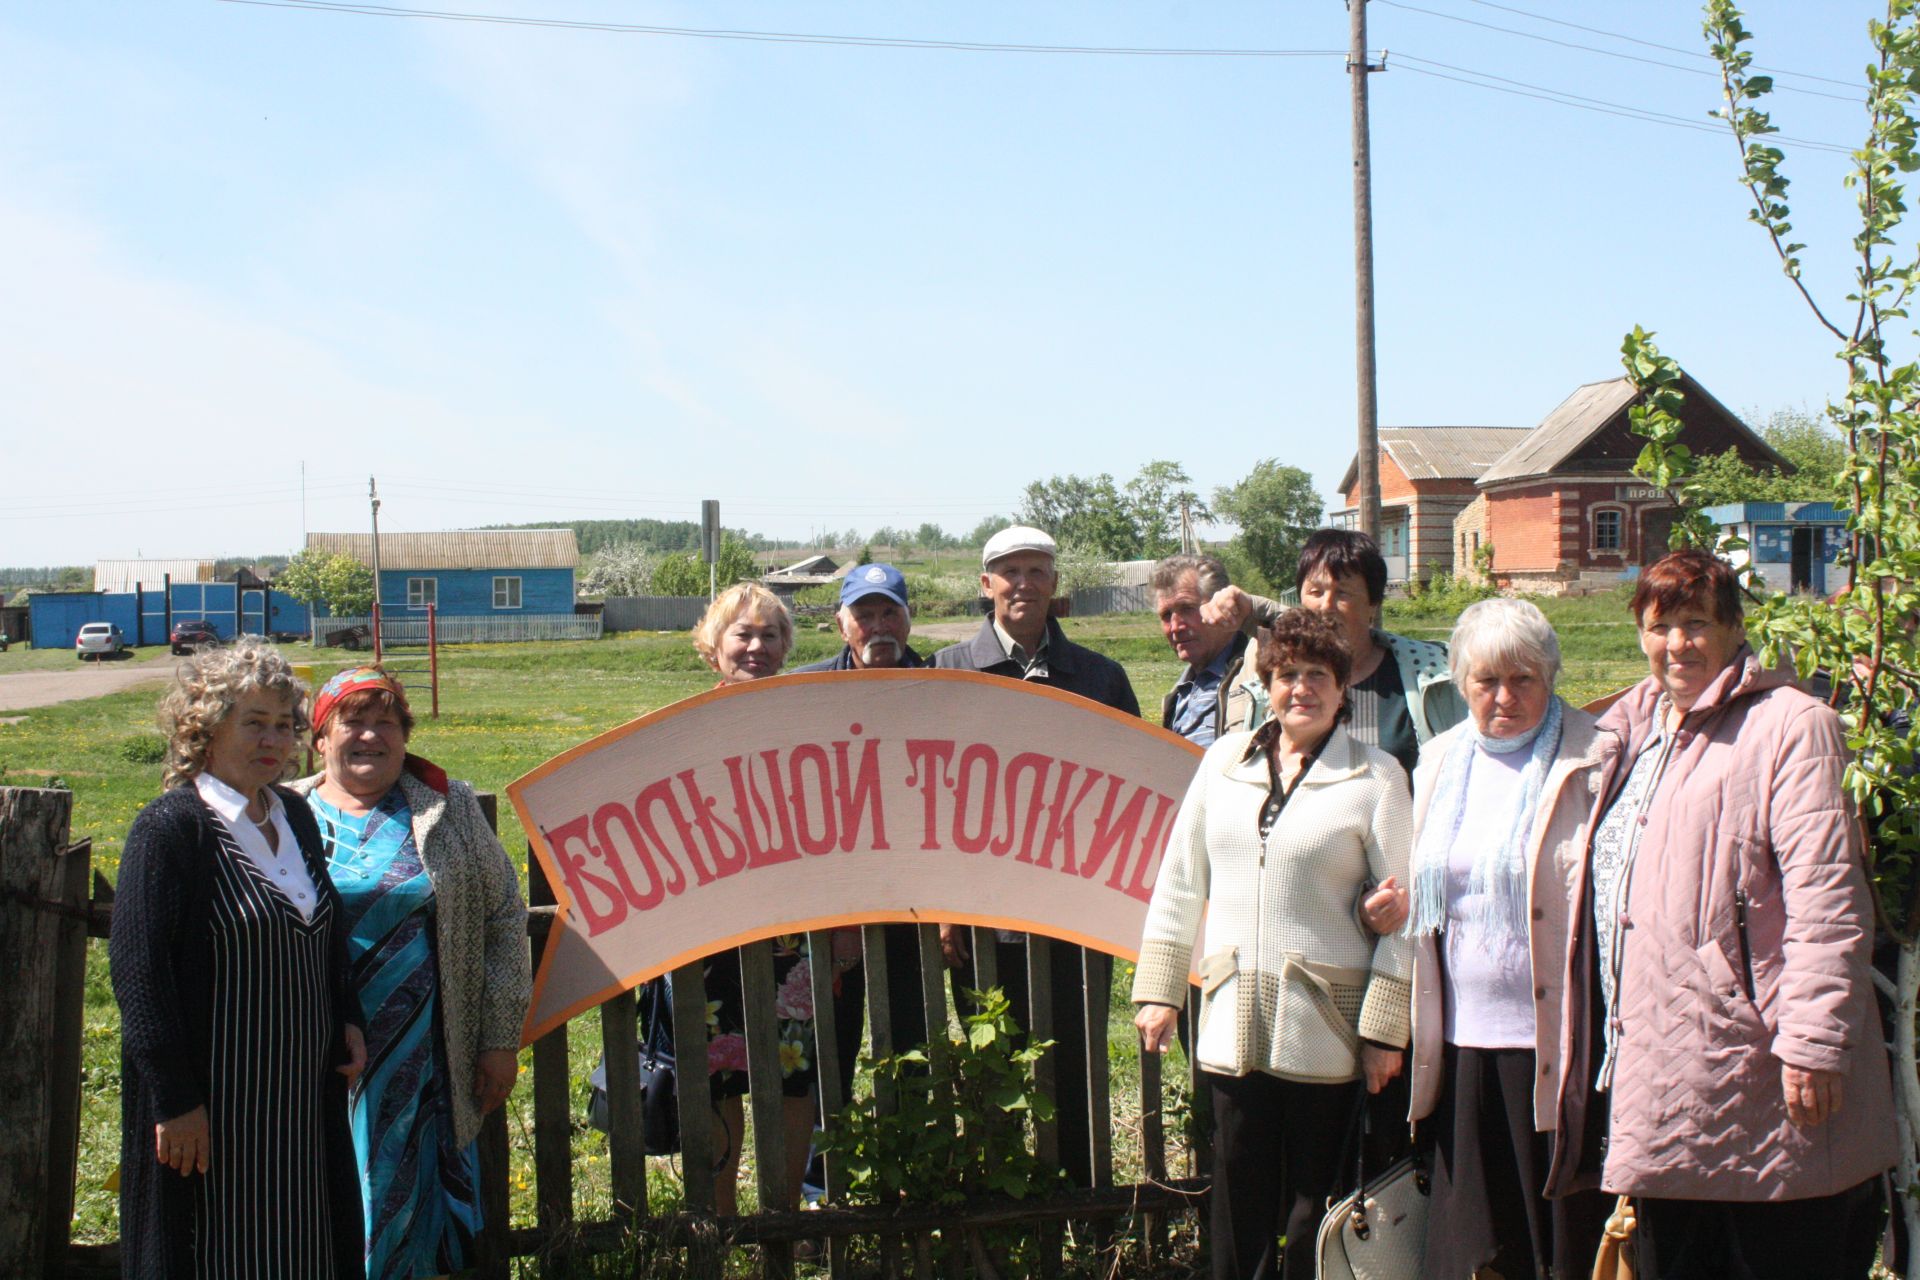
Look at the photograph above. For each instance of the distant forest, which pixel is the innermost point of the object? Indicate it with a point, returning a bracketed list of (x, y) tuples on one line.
[(659, 536)]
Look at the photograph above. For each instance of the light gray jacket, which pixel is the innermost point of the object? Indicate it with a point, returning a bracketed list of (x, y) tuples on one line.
[(480, 927)]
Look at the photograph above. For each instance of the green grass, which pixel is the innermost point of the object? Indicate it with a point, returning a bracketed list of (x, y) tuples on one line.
[(20, 657), (504, 710)]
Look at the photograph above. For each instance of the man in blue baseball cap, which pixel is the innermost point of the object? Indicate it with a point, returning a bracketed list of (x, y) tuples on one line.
[(874, 621)]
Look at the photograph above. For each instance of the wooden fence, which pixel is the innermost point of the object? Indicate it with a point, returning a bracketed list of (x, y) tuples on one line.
[(51, 904)]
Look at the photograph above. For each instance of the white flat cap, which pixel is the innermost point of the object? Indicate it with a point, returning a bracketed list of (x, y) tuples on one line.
[(1019, 537)]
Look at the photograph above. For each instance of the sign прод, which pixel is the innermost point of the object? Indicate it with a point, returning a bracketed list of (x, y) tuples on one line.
[(822, 800)]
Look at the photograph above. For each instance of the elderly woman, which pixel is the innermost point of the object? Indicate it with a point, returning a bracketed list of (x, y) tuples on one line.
[(238, 1032), (745, 635), (1278, 831), (437, 939), (1502, 807), (1736, 1085)]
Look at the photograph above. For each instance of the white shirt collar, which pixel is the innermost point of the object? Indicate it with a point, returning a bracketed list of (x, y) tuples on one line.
[(227, 802)]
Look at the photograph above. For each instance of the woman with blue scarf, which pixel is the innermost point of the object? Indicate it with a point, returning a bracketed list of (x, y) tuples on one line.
[(1502, 806)]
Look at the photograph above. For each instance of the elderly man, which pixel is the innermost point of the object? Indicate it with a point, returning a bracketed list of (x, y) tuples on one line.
[(1208, 701), (1021, 640), (874, 620)]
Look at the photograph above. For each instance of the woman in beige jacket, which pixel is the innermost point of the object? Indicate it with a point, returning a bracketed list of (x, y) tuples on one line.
[(1502, 806), (1278, 833)]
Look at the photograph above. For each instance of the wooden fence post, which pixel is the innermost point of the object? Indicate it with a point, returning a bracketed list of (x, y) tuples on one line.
[(552, 1102), (496, 1206), (43, 911)]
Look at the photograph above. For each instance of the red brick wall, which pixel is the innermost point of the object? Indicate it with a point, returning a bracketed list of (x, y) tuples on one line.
[(1523, 525), (1549, 524)]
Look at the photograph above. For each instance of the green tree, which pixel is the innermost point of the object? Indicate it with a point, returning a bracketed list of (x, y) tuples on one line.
[(1086, 510), (335, 578), (1866, 640), (1158, 493), (685, 574), (986, 529), (1817, 455), (931, 537), (1276, 509)]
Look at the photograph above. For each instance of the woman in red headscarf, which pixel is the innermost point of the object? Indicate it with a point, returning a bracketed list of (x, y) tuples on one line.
[(437, 944)]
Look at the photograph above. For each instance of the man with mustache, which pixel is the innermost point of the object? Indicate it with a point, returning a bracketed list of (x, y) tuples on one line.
[(874, 620), (1021, 641)]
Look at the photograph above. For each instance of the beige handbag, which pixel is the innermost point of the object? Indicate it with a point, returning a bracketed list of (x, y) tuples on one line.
[(1379, 1232), (1615, 1259)]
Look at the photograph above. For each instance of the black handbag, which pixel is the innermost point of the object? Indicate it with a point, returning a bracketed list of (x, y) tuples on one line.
[(659, 1097)]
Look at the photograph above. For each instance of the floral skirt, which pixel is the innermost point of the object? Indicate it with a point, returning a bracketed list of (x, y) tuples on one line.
[(727, 1018)]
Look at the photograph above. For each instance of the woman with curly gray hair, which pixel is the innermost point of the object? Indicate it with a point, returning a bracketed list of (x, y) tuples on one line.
[(238, 1031)]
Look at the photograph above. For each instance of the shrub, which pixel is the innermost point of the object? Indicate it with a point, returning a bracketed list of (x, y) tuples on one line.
[(143, 748)]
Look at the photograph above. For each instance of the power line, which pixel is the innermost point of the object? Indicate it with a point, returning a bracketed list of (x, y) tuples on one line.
[(776, 37), (1615, 53), (1649, 44), (1546, 93)]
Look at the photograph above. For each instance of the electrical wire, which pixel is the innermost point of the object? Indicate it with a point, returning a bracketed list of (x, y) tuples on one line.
[(1614, 53), (775, 37), (1546, 93), (1668, 48)]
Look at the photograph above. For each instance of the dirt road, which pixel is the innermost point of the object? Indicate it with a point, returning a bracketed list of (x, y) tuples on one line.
[(20, 690)]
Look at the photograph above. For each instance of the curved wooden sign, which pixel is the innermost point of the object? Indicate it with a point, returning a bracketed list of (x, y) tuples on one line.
[(814, 801)]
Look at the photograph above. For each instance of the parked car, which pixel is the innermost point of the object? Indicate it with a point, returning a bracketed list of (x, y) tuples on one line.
[(189, 634), (97, 640)]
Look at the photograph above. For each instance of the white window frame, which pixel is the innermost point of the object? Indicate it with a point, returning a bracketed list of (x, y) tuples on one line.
[(423, 593), (1619, 513), (509, 587)]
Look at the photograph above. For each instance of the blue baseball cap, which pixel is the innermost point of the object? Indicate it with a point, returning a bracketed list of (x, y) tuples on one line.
[(865, 580)]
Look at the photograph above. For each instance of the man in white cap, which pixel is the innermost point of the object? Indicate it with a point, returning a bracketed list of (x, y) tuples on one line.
[(1021, 640)]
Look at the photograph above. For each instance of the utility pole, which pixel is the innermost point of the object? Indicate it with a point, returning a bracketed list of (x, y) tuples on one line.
[(1186, 524), (373, 496), (1358, 69)]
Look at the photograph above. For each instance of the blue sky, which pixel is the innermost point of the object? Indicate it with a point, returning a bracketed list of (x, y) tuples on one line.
[(523, 273)]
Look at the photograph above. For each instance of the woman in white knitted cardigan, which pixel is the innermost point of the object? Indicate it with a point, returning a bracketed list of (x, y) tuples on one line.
[(1279, 832)]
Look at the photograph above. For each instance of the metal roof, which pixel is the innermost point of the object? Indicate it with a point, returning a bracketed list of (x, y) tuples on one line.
[(1440, 453), (1562, 432), (121, 575), (1776, 512), (458, 549), (1582, 415)]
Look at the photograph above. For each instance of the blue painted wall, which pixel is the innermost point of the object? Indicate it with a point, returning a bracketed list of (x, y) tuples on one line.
[(57, 619), (468, 593)]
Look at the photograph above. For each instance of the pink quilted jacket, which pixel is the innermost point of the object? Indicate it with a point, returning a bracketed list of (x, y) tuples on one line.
[(1751, 808)]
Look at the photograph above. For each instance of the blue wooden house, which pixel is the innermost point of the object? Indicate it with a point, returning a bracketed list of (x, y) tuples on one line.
[(484, 584)]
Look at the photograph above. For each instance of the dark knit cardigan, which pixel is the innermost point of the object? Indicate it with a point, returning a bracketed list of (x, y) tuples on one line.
[(161, 952)]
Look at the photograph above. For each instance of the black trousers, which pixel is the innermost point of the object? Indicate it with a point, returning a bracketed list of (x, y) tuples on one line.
[(1489, 1168), (906, 1006), (1742, 1240), (1273, 1140), (1073, 971)]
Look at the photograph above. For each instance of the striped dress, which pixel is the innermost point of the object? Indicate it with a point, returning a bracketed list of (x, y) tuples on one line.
[(421, 1192), (261, 1210)]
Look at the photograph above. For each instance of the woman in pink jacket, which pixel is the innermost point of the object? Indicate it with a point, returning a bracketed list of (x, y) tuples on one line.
[(1724, 1062)]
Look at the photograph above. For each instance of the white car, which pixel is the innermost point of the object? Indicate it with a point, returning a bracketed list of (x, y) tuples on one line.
[(98, 639)]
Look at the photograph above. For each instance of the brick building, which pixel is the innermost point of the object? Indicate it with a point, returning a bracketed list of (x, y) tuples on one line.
[(1564, 511), (1427, 478)]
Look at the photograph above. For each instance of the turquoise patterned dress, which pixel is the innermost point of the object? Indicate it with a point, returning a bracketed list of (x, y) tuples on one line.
[(421, 1194)]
